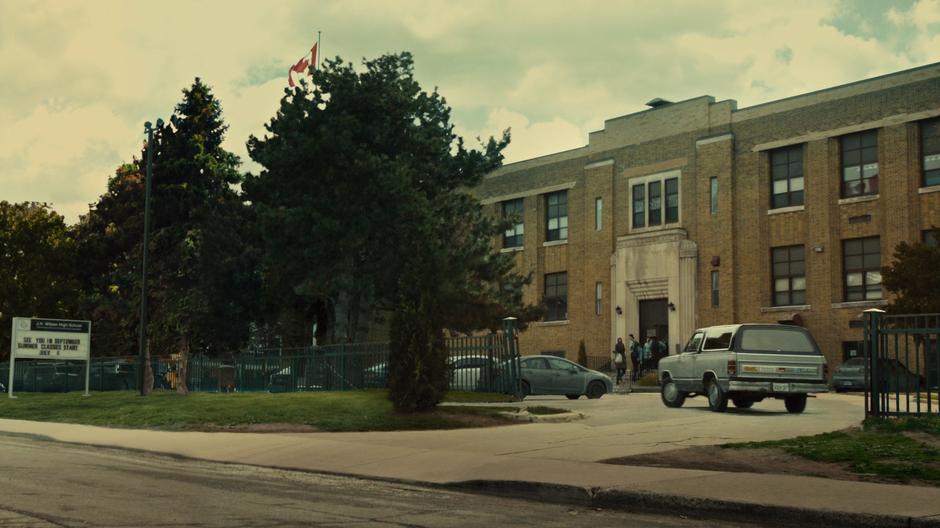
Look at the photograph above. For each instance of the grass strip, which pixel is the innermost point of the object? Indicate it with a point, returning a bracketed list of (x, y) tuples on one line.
[(368, 410)]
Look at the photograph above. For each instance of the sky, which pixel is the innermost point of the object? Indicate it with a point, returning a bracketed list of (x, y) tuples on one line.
[(78, 79)]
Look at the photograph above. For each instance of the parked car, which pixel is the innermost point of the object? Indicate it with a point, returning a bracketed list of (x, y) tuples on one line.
[(468, 373), (745, 363), (554, 375), (894, 375)]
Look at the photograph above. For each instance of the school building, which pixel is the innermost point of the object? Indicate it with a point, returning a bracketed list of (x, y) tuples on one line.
[(696, 213)]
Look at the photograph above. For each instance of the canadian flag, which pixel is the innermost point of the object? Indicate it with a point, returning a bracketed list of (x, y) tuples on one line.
[(302, 67)]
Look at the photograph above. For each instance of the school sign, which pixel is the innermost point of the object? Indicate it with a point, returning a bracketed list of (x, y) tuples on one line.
[(57, 339)]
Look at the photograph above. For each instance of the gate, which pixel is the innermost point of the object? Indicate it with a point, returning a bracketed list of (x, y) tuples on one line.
[(903, 364)]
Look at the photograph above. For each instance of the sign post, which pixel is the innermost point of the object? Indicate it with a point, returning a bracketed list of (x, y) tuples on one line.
[(56, 339)]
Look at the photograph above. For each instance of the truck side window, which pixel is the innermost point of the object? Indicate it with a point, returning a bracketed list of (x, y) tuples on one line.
[(692, 345)]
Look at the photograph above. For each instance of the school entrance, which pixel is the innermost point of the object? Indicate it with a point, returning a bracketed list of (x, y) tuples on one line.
[(654, 319)]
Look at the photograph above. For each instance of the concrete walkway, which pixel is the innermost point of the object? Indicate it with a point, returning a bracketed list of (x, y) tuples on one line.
[(559, 461)]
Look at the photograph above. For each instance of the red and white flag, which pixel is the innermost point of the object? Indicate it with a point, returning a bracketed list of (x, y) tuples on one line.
[(303, 66)]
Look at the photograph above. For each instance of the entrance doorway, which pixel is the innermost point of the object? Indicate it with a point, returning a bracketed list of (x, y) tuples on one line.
[(654, 322)]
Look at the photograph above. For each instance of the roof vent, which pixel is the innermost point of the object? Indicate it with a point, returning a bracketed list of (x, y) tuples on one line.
[(657, 103)]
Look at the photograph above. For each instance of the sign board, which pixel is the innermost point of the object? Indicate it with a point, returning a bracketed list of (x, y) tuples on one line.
[(57, 339)]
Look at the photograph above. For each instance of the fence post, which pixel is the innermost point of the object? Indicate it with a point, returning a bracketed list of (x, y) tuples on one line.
[(873, 351), (509, 332)]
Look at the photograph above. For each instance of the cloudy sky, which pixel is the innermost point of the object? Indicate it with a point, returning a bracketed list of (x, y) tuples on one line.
[(79, 78)]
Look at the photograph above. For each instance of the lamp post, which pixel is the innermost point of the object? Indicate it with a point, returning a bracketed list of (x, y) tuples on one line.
[(148, 128)]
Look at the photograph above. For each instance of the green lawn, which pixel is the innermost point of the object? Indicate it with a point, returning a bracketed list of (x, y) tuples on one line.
[(327, 411), (897, 449)]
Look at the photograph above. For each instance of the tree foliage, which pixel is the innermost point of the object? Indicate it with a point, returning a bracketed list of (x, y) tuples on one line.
[(202, 278), (914, 278), (37, 266), (363, 205)]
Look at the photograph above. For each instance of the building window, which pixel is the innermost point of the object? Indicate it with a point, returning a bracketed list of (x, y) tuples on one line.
[(556, 215), (786, 167), (860, 164), (598, 213), (639, 209), (714, 289), (789, 273), (512, 210), (598, 298), (672, 200), (655, 204), (862, 265), (930, 149), (556, 296), (713, 194), (932, 237)]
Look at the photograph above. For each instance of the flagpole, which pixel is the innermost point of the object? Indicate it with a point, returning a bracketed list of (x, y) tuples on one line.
[(319, 51)]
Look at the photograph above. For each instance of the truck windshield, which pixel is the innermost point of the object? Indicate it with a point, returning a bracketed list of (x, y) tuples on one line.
[(777, 340)]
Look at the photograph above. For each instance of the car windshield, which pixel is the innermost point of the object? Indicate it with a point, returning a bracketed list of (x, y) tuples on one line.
[(790, 341), (855, 362)]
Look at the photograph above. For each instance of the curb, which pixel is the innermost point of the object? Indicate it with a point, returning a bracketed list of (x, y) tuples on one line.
[(525, 416), (689, 507)]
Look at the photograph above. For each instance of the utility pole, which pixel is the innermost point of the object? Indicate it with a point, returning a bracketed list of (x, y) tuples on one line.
[(148, 128)]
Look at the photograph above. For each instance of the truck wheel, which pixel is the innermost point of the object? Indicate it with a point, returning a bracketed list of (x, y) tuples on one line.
[(671, 395), (795, 404), (717, 398), (742, 403)]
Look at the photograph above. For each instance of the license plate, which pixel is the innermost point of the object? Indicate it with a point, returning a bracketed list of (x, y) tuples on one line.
[(781, 387)]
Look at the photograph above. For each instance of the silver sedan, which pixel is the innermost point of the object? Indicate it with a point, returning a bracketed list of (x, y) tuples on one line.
[(554, 375)]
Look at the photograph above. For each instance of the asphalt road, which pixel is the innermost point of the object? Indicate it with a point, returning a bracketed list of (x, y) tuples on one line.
[(48, 484)]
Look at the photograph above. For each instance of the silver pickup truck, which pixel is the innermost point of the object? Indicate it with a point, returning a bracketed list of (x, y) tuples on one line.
[(745, 363)]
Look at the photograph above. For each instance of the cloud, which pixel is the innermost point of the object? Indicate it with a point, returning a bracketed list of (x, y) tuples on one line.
[(80, 79)]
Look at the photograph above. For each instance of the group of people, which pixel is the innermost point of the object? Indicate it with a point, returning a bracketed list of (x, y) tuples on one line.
[(643, 357)]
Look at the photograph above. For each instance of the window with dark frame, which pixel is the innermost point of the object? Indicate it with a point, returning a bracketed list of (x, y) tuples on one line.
[(861, 262), (655, 203), (789, 275), (714, 289), (860, 164), (556, 296), (932, 237), (672, 200), (786, 168), (713, 194), (513, 210), (598, 298), (639, 205), (930, 151), (556, 216)]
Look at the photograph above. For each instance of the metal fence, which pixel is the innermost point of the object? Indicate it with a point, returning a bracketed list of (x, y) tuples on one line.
[(903, 364), (488, 363)]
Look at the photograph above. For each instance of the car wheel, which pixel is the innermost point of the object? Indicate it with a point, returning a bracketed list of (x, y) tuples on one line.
[(573, 396), (671, 395), (795, 404), (595, 390), (526, 390), (742, 403), (717, 398)]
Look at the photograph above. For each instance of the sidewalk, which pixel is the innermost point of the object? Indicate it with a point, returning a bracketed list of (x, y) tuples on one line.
[(445, 459)]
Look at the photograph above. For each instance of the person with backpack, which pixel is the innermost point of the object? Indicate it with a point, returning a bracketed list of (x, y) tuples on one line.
[(634, 358), (620, 359)]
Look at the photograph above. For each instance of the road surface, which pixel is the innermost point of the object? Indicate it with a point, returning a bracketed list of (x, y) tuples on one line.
[(47, 484)]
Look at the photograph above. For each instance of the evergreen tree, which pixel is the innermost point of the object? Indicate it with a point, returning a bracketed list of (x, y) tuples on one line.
[(363, 205)]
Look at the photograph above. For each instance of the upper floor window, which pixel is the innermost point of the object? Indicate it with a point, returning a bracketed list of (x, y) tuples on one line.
[(672, 200), (860, 164), (639, 206), (556, 296), (512, 210), (655, 202), (930, 149), (598, 213), (556, 215), (786, 168), (862, 268), (713, 194), (789, 274)]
